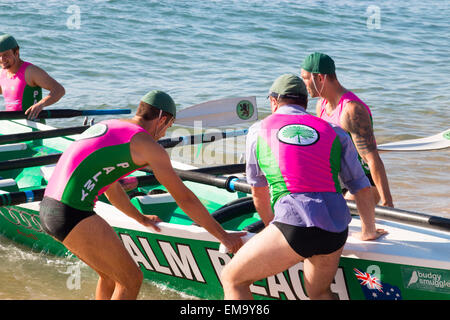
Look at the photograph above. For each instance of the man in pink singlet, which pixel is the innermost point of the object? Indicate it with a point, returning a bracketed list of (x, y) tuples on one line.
[(293, 163), (342, 107), (21, 82), (91, 166)]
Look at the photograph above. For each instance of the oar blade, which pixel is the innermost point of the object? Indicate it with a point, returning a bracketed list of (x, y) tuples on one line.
[(219, 113), (435, 142)]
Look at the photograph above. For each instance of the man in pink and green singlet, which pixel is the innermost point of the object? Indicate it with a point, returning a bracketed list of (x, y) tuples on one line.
[(342, 107), (91, 166), (21, 82), (295, 164)]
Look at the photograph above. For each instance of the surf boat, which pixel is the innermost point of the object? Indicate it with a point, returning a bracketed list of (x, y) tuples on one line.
[(411, 262)]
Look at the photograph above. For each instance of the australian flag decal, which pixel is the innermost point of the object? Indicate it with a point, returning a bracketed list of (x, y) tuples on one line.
[(374, 289)]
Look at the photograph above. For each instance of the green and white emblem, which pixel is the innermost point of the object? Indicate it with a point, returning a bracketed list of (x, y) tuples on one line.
[(447, 135), (298, 134), (245, 109)]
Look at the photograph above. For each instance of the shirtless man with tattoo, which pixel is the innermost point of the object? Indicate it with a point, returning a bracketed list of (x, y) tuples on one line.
[(342, 107)]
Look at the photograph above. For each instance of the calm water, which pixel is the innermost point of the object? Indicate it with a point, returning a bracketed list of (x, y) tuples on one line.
[(107, 54)]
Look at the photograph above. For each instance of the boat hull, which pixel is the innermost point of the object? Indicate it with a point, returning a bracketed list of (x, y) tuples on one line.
[(410, 262), (187, 259)]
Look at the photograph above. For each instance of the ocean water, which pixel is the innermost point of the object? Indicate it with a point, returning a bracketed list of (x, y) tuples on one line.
[(108, 54)]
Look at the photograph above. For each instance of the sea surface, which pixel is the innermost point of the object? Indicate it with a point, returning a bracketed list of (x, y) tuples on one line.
[(107, 54)]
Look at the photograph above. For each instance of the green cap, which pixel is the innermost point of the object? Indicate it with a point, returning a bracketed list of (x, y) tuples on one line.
[(319, 63), (7, 42), (288, 86), (160, 100)]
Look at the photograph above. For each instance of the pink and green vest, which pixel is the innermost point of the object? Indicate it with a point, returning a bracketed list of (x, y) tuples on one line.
[(19, 96), (298, 153), (86, 169), (335, 117)]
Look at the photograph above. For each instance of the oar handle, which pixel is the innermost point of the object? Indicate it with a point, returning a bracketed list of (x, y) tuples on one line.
[(29, 162), (60, 113), (14, 198), (407, 216), (230, 183), (35, 135), (105, 112), (235, 184), (130, 183)]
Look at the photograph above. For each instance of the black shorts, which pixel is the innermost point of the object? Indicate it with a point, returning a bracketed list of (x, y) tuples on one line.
[(58, 219), (310, 241)]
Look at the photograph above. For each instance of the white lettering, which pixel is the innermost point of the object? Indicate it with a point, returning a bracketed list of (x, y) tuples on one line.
[(123, 165), (338, 286), (197, 310), (109, 169), (374, 19), (258, 290), (74, 280), (74, 21), (297, 285), (183, 264), (89, 185), (211, 151), (218, 260), (149, 252), (277, 284), (84, 194), (96, 176), (134, 251)]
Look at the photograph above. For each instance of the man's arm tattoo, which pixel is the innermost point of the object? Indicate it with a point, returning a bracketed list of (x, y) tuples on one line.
[(357, 122)]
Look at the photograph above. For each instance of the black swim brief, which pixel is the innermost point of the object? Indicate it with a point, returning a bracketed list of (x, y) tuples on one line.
[(310, 241), (58, 219)]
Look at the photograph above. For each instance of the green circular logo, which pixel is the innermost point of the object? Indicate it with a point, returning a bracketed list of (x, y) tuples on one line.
[(245, 109), (447, 135), (298, 134)]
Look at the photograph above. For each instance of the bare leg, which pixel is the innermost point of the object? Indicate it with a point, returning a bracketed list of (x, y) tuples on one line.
[(96, 243), (268, 253), (105, 287), (265, 254), (318, 273)]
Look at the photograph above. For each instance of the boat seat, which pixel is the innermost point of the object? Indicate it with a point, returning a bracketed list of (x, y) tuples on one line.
[(163, 205)]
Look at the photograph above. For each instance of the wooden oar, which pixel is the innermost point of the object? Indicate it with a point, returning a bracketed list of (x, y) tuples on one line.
[(61, 113), (434, 142)]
